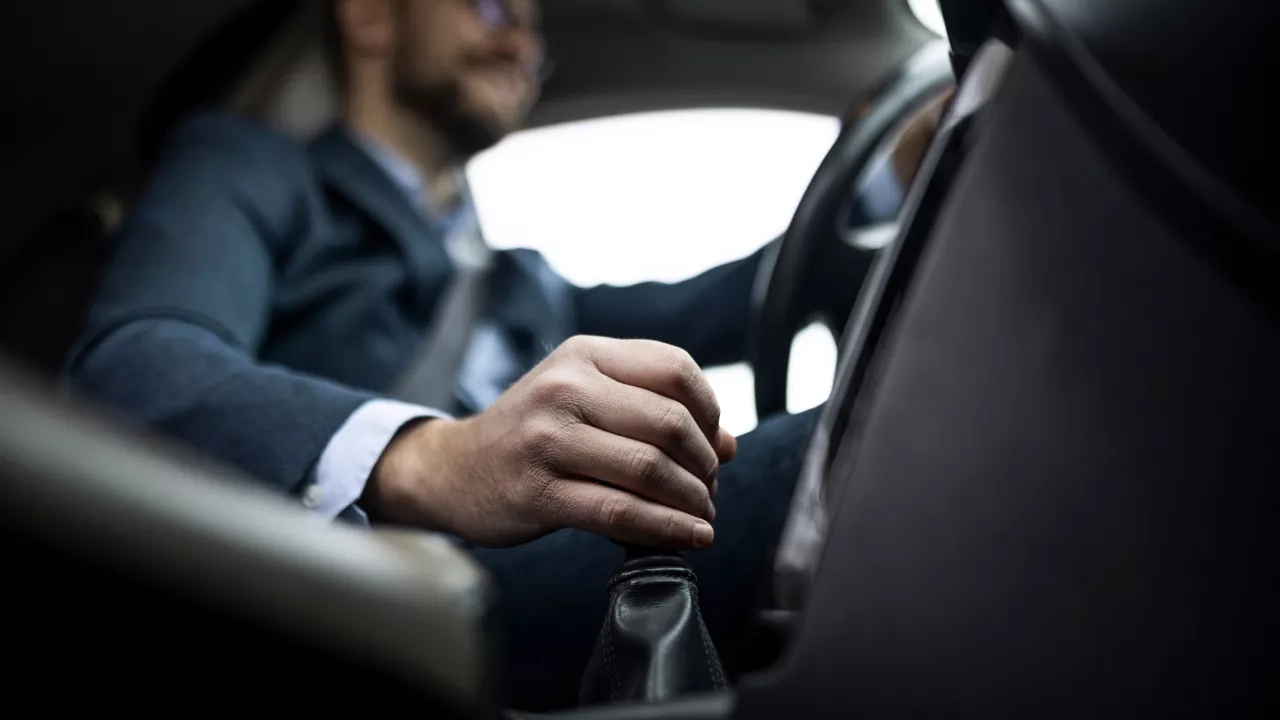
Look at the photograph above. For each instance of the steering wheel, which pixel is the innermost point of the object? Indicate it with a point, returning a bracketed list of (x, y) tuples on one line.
[(849, 211)]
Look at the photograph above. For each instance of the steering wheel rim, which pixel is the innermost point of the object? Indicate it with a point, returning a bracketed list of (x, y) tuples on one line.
[(805, 275)]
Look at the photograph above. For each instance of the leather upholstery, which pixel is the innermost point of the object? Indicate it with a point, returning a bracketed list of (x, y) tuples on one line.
[(653, 645)]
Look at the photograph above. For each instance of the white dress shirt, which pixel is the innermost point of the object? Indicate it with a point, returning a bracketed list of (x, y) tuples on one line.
[(348, 459)]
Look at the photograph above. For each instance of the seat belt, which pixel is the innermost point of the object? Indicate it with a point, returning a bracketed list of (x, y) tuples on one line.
[(431, 377)]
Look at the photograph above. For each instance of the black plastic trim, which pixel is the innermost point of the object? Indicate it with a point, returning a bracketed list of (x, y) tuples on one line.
[(1225, 228)]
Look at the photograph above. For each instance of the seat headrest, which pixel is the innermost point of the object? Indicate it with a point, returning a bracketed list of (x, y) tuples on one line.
[(282, 79), (290, 84)]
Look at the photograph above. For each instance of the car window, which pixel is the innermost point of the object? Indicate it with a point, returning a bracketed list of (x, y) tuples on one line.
[(929, 13), (662, 196)]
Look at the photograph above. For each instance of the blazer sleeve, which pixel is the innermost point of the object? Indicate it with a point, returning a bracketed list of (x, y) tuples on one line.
[(709, 315), (185, 301)]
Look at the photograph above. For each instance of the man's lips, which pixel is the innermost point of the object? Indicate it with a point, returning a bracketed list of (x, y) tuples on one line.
[(506, 79)]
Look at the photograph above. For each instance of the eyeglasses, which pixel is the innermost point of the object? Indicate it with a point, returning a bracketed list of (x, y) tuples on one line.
[(496, 14)]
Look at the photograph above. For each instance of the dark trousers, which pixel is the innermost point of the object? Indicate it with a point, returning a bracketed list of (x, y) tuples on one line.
[(552, 594)]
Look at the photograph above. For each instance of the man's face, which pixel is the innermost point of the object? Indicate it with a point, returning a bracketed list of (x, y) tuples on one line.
[(469, 67)]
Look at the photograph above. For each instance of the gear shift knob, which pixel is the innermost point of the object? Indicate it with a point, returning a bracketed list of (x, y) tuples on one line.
[(653, 645)]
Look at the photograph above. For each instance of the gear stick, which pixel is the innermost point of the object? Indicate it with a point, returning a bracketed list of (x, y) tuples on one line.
[(653, 645)]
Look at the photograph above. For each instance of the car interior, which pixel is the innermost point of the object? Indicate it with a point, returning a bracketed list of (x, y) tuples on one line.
[(1044, 483)]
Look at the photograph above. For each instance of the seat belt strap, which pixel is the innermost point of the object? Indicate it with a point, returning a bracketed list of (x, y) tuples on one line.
[(431, 377)]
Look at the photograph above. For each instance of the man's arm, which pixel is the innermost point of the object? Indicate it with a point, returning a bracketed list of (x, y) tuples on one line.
[(184, 304), (709, 315), (346, 466)]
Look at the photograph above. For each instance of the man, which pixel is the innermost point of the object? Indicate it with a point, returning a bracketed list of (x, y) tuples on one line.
[(265, 302)]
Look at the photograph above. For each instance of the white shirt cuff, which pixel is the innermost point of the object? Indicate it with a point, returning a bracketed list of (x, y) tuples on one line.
[(348, 460)]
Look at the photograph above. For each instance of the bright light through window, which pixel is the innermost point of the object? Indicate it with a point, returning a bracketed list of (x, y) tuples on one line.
[(661, 196), (929, 13), (813, 367)]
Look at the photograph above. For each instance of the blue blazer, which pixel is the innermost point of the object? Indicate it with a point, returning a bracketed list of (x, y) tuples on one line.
[(262, 290)]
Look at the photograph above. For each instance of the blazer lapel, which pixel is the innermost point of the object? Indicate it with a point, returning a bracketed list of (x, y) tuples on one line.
[(347, 169), (525, 297), (532, 302)]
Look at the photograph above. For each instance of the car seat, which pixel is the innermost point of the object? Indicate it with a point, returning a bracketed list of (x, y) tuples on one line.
[(47, 280)]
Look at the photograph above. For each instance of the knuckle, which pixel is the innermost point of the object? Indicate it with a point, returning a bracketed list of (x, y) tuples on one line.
[(707, 468), (672, 422), (578, 347), (557, 388), (551, 441), (687, 379), (548, 496), (645, 466), (696, 494), (617, 511), (543, 435), (673, 530), (713, 410), (685, 373)]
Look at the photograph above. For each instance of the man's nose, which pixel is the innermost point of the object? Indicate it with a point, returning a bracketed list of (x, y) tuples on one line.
[(523, 47)]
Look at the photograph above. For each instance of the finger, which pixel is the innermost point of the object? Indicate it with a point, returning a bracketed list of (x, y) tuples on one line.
[(624, 517), (663, 369), (648, 417), (726, 448), (634, 466), (726, 445)]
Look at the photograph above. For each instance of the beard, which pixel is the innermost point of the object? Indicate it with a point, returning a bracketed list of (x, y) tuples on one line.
[(443, 105)]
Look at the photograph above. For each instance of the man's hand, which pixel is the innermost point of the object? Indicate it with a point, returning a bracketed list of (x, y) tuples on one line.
[(616, 437)]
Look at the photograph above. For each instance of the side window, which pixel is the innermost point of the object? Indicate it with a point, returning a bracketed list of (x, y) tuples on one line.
[(662, 196)]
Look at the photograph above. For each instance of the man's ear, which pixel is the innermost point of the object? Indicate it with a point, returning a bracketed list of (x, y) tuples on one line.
[(366, 26)]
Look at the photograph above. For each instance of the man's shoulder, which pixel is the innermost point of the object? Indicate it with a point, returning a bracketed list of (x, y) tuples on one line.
[(239, 144), (232, 130), (223, 154)]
